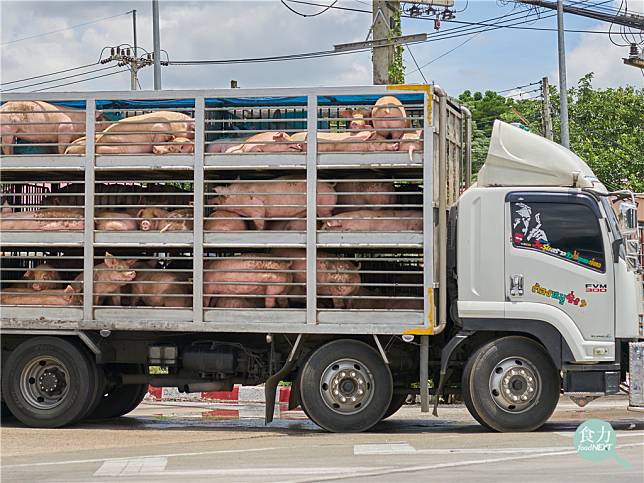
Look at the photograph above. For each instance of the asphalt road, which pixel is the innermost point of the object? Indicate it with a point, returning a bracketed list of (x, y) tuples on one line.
[(161, 442)]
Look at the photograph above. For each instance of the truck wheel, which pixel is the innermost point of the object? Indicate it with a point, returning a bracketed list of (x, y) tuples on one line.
[(5, 413), (119, 400), (49, 382), (397, 401), (511, 384), (345, 386)]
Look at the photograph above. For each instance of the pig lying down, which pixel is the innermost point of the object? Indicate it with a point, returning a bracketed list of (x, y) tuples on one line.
[(376, 220), (158, 219), (48, 219), (28, 296)]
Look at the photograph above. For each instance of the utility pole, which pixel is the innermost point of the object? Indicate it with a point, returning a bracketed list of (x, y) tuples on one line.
[(545, 110), (382, 57), (134, 64), (156, 45), (563, 88)]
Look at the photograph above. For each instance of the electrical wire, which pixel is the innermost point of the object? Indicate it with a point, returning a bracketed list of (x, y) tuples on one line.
[(326, 9), (66, 28), (82, 80), (518, 87), (51, 73), (418, 69), (57, 79)]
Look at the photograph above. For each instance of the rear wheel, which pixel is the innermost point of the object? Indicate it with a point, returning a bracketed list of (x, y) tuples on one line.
[(345, 386), (117, 399), (49, 382), (511, 384), (397, 401)]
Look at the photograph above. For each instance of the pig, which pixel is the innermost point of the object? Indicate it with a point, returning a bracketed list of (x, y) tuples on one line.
[(298, 224), (26, 296), (386, 303), (273, 276), (358, 121), (223, 144), (412, 141), (109, 277), (376, 220), (115, 221), (375, 193), (266, 142), (146, 130), (239, 303), (183, 145), (40, 122), (77, 146), (222, 220), (161, 289), (239, 197), (389, 117), (362, 141), (158, 219), (43, 276), (47, 219), (335, 278)]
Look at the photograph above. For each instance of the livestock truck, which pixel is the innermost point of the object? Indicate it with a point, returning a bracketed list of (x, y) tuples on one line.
[(326, 237)]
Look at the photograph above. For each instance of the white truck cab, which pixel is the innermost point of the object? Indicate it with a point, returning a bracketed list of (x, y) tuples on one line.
[(540, 251)]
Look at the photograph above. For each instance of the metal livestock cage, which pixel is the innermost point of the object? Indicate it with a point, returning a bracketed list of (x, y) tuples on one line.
[(264, 210)]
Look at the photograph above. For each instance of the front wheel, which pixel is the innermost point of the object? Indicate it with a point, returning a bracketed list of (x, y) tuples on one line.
[(345, 386), (511, 384)]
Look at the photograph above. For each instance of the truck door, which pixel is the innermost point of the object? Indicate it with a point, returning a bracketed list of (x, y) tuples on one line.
[(557, 254)]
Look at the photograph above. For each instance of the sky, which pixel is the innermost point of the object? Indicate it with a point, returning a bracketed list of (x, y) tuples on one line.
[(498, 60)]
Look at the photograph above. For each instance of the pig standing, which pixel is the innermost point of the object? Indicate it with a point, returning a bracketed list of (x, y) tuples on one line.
[(266, 142), (227, 279), (389, 118), (362, 193), (255, 199), (109, 277), (161, 289), (26, 296), (139, 134), (40, 122), (158, 219), (43, 276), (335, 278), (48, 219), (376, 220), (115, 221), (222, 220)]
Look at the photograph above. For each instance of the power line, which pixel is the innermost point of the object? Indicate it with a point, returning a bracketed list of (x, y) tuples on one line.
[(67, 28), (57, 79), (51, 73), (518, 87), (326, 9), (82, 80)]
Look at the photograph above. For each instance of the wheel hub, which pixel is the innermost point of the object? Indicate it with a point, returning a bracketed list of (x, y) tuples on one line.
[(514, 384), (346, 386), (44, 382)]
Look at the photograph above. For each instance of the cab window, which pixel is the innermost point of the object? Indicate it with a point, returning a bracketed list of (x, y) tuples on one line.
[(568, 231)]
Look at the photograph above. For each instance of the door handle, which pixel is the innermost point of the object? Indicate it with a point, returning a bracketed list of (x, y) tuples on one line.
[(516, 285)]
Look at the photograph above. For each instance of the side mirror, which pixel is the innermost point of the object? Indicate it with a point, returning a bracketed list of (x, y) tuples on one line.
[(627, 218)]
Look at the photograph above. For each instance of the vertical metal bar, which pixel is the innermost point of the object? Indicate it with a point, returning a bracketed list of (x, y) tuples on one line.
[(428, 210), (156, 45), (311, 208), (88, 238), (563, 88), (442, 215), (467, 148), (424, 373), (198, 209)]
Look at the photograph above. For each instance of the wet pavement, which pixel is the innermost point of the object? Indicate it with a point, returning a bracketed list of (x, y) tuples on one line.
[(169, 441)]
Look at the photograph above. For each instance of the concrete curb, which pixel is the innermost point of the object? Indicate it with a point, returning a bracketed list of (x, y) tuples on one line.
[(239, 394)]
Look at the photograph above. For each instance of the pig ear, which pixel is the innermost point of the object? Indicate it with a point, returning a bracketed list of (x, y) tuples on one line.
[(28, 274), (69, 289), (6, 207), (140, 213), (279, 136), (190, 126), (109, 260)]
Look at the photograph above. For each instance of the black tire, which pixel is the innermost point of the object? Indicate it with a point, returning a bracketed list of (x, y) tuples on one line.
[(48, 382), (5, 413), (501, 374), (119, 400), (397, 401), (357, 367)]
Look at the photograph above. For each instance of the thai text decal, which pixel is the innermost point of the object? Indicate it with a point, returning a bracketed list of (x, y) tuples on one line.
[(560, 297)]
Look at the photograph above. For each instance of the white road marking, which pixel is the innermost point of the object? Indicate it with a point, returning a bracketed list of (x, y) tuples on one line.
[(383, 448), (423, 468), (132, 466), (280, 471), (98, 460)]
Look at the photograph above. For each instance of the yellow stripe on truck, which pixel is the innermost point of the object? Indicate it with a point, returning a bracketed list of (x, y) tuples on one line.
[(416, 87), (429, 330)]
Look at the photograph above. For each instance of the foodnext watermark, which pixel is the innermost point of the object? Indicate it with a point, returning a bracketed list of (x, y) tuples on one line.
[(596, 440)]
